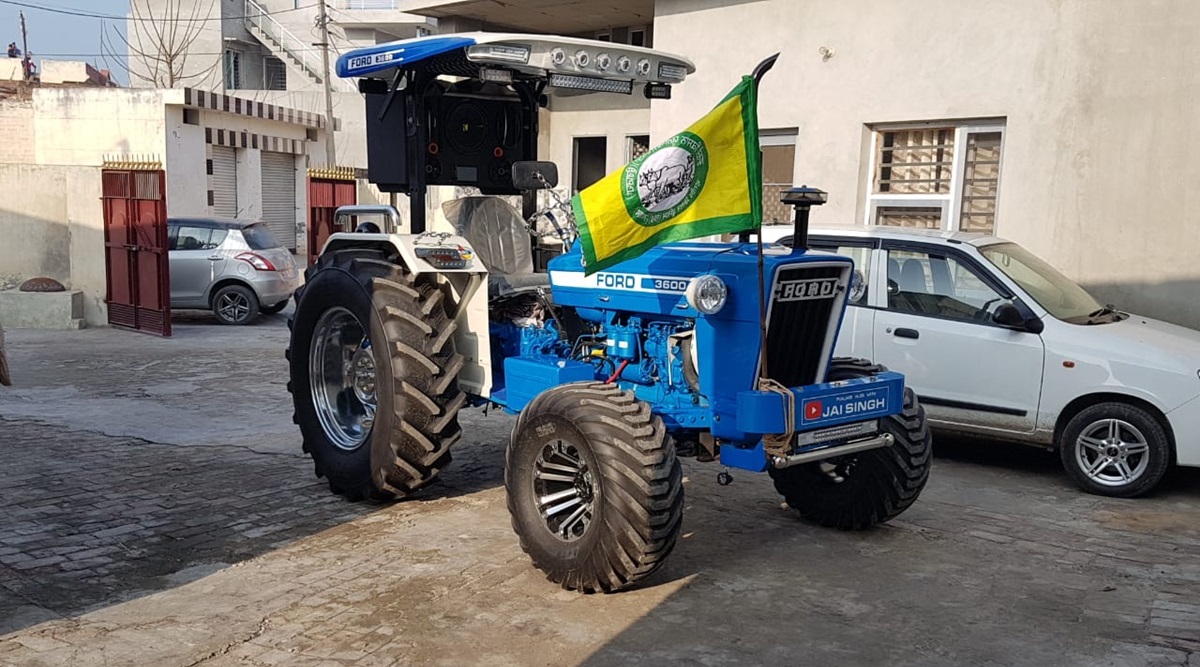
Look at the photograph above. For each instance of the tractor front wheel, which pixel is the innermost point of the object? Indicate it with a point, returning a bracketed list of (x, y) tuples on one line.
[(594, 488), (861, 490)]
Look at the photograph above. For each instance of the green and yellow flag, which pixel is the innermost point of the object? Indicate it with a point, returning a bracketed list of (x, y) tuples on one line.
[(705, 180)]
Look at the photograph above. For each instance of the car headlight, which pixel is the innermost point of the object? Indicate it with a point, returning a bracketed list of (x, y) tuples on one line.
[(707, 294)]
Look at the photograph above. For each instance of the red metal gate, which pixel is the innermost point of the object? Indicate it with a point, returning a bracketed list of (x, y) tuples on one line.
[(135, 244), (325, 195)]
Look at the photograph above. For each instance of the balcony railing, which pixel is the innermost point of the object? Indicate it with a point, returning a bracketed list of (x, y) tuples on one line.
[(369, 5)]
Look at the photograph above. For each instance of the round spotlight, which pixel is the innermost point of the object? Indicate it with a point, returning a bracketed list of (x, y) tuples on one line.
[(707, 294), (603, 62), (624, 64), (643, 67), (582, 58), (558, 56)]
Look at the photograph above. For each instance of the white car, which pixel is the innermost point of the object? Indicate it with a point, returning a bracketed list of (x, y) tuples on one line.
[(998, 343)]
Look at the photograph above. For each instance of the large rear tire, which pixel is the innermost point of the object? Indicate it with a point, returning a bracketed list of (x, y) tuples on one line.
[(860, 490), (374, 375), (594, 488)]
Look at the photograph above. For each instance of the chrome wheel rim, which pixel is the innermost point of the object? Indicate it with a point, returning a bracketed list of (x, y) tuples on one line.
[(233, 306), (1112, 452), (341, 376), (565, 491)]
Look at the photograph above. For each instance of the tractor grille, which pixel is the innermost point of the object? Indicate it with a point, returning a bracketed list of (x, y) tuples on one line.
[(798, 322)]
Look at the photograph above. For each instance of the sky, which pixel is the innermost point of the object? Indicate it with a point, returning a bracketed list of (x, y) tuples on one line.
[(62, 37)]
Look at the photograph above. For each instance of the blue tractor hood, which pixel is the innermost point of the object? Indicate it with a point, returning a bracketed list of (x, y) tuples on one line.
[(657, 281)]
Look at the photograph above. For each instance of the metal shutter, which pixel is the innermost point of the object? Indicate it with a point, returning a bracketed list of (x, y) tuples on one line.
[(224, 182), (279, 196)]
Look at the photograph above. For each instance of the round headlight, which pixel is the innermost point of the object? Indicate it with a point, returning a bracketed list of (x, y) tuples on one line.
[(643, 67), (623, 64), (603, 61), (582, 58), (558, 56), (707, 294)]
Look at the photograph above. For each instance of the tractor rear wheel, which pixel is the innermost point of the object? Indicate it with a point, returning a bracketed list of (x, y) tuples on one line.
[(594, 488), (860, 490), (374, 375)]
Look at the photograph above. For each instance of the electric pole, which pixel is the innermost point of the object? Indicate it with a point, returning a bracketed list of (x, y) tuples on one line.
[(27, 63), (323, 20)]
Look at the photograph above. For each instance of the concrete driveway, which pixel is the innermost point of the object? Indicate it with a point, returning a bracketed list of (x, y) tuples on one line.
[(156, 511)]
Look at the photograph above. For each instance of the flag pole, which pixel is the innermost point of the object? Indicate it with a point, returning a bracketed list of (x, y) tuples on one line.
[(762, 68)]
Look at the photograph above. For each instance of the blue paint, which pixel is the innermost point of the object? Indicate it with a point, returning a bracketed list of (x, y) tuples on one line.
[(823, 405), (374, 59), (529, 376), (753, 458)]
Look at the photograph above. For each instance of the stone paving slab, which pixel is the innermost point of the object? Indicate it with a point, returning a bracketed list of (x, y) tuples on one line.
[(115, 550)]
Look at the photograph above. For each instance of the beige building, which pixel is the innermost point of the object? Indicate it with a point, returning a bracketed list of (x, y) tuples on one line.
[(1061, 125), (222, 155)]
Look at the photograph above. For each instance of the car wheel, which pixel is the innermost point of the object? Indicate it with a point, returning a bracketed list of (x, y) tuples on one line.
[(271, 310), (235, 304), (1115, 449)]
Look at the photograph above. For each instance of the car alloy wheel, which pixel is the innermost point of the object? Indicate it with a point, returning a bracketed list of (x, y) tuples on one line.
[(1112, 452), (233, 306)]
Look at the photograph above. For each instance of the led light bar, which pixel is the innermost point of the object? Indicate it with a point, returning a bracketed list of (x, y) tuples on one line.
[(496, 74), (673, 72), (591, 83), (503, 52)]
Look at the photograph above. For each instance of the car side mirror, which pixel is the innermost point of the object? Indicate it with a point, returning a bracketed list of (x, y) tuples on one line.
[(1009, 315), (534, 175), (893, 287)]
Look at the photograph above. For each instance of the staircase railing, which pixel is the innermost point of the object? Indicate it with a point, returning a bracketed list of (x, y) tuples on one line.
[(302, 52)]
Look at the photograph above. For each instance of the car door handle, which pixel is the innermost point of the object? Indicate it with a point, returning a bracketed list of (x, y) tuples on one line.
[(215, 258), (907, 333)]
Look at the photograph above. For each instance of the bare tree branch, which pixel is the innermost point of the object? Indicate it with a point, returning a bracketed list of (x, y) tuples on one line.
[(160, 45)]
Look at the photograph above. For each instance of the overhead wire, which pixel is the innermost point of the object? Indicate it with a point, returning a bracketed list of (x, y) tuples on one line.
[(113, 17)]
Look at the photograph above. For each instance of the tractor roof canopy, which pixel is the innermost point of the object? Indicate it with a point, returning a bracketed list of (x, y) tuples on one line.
[(461, 109), (560, 62)]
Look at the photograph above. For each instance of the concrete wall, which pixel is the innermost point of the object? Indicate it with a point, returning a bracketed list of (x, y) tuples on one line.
[(16, 126), (51, 221), (79, 126), (1099, 105), (614, 117)]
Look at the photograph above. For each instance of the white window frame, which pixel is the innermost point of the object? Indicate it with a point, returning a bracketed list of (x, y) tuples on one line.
[(951, 202)]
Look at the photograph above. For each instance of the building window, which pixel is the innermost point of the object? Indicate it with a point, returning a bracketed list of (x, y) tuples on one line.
[(938, 176), (636, 146), (637, 37), (589, 161), (604, 36), (778, 162), (233, 70), (274, 74)]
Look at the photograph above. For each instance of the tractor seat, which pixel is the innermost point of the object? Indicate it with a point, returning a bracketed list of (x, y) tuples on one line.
[(497, 233)]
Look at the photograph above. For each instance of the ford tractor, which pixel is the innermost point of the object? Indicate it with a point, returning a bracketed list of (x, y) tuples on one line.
[(721, 350)]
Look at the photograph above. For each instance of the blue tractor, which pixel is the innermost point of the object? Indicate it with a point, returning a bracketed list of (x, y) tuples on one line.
[(613, 375)]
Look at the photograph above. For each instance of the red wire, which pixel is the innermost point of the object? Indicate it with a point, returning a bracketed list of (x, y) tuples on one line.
[(617, 373)]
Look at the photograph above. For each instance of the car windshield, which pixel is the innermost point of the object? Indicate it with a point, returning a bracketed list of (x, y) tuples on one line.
[(258, 237), (1055, 292)]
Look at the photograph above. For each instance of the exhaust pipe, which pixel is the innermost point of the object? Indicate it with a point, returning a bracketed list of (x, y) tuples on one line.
[(803, 198)]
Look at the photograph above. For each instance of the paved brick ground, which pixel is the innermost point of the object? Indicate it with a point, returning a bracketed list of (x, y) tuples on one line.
[(120, 551)]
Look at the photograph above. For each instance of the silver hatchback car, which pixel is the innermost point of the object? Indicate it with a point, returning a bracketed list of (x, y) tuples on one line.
[(235, 268)]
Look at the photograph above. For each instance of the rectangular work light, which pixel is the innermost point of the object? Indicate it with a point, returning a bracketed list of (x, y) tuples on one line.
[(591, 83), (503, 52)]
